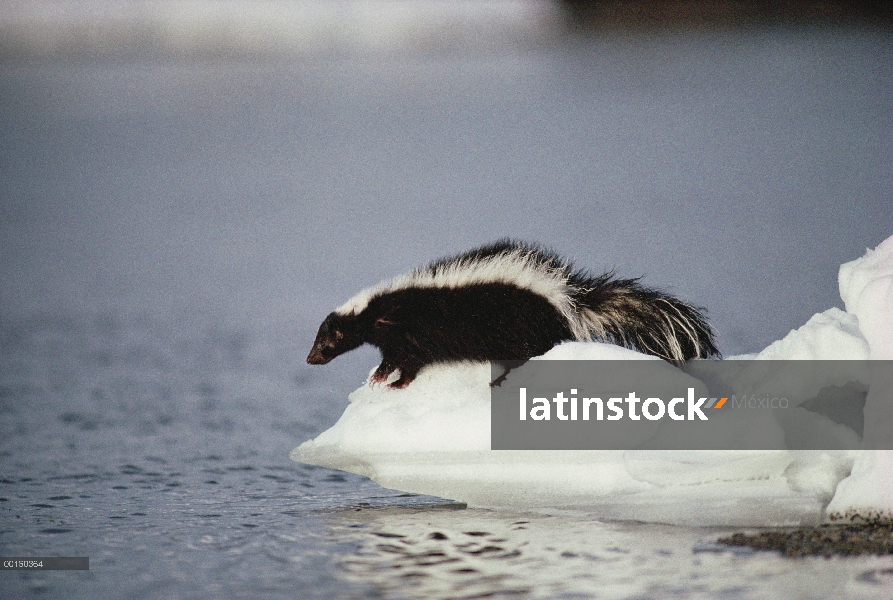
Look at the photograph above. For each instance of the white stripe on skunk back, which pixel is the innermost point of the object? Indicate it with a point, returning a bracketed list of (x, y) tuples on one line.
[(520, 265)]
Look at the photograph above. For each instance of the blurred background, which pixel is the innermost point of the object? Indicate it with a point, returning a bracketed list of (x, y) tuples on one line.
[(262, 161)]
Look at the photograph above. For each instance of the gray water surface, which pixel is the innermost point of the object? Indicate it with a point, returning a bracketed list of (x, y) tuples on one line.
[(735, 169), (160, 452)]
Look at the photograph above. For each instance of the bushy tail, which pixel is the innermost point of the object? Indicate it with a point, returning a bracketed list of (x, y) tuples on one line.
[(625, 313)]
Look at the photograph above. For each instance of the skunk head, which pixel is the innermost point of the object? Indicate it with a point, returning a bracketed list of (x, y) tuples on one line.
[(337, 334)]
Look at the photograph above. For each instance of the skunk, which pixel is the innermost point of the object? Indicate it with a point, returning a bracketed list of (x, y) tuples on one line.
[(507, 301)]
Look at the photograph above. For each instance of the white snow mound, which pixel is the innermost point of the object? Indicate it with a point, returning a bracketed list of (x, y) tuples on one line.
[(434, 438)]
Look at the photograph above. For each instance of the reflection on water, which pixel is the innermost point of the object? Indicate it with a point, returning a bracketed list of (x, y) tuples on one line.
[(441, 553)]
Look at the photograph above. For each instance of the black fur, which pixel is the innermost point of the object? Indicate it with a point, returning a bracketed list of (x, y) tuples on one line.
[(495, 321)]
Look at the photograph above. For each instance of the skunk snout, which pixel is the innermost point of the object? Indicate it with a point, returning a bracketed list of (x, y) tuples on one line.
[(316, 357)]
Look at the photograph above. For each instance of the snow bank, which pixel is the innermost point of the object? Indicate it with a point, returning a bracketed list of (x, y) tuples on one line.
[(434, 438), (866, 287)]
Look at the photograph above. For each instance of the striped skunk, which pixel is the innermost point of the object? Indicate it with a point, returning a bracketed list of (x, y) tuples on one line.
[(507, 301)]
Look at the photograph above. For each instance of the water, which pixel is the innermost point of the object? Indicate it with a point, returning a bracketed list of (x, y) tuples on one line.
[(171, 234), (736, 170), (159, 449), (429, 553)]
